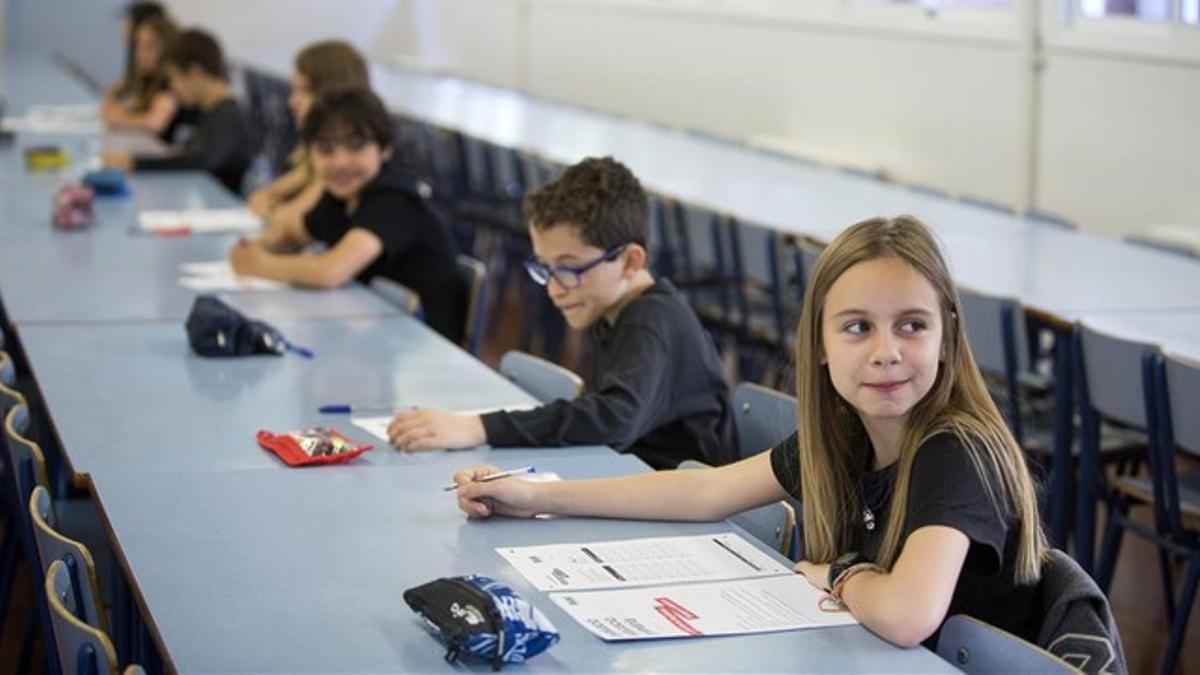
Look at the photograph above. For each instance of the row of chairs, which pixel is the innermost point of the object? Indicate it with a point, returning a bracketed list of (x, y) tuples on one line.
[(70, 612)]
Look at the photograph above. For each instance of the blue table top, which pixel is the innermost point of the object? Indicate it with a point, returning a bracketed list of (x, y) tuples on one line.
[(132, 395), (314, 563)]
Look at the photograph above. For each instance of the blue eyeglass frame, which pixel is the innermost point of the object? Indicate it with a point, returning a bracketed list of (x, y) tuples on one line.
[(568, 276)]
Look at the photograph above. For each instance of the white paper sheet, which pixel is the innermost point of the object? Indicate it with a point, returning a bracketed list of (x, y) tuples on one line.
[(217, 276), (377, 426), (199, 221), (777, 603), (641, 562)]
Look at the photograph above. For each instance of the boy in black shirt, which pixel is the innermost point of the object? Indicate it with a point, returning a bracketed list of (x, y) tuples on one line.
[(221, 143), (372, 217), (658, 388)]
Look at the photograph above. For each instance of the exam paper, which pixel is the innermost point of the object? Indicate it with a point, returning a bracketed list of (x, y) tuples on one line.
[(217, 276), (199, 221), (640, 562), (740, 607), (377, 426)]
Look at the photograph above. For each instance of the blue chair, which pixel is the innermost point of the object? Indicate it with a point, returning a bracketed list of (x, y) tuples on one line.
[(1110, 391), (979, 648), (1164, 245), (1049, 218), (765, 418), (403, 297), (1171, 389), (53, 545), (544, 380), (83, 649), (473, 275), (773, 524), (8, 370)]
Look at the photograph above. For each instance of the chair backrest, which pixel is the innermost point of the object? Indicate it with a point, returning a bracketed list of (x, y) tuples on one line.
[(82, 648), (1182, 392), (772, 524), (994, 328), (8, 370), (765, 417), (53, 545), (1164, 245), (1049, 218), (544, 380), (1110, 376), (976, 647), (473, 275), (398, 294), (25, 457)]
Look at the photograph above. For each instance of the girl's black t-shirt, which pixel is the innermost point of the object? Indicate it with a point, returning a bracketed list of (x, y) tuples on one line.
[(417, 248), (945, 489)]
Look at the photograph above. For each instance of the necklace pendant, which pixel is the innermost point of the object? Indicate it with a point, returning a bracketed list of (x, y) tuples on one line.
[(868, 519)]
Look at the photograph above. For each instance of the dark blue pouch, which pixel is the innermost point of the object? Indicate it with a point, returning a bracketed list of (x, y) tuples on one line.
[(216, 329), (482, 617), (107, 182)]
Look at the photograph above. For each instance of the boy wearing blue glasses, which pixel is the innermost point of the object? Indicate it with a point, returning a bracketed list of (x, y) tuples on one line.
[(657, 390)]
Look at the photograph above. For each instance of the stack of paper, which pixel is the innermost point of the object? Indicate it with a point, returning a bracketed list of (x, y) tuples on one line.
[(719, 584), (217, 276), (56, 119), (190, 221)]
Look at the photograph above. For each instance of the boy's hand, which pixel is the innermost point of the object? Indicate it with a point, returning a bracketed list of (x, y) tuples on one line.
[(504, 497), (430, 429), (116, 160)]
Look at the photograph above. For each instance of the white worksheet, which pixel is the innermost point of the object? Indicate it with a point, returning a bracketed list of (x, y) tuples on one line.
[(740, 607), (640, 562), (377, 426), (217, 276), (189, 221)]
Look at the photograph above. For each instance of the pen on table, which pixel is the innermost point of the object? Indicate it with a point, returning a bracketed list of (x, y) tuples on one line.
[(494, 476), (347, 408)]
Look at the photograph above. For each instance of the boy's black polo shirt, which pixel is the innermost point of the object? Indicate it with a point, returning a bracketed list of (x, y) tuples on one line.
[(657, 392), (417, 249), (220, 146)]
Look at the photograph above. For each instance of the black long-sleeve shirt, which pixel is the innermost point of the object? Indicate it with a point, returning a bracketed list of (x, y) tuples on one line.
[(221, 146), (657, 392)]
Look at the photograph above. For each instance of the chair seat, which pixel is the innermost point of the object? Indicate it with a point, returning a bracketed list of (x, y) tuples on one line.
[(1141, 489)]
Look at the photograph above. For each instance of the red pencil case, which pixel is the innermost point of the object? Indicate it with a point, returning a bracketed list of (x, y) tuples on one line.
[(318, 445)]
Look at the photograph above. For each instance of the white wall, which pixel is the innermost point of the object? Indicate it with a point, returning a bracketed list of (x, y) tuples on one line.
[(1113, 141)]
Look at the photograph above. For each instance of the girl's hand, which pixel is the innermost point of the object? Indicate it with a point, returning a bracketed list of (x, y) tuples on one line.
[(505, 496), (245, 257), (817, 575)]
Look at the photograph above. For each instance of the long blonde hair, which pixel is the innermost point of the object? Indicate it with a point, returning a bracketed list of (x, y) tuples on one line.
[(830, 429)]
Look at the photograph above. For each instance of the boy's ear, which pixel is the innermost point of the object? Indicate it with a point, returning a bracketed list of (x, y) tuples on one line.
[(635, 259)]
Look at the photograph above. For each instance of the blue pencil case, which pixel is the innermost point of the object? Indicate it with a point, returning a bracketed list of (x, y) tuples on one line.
[(107, 182)]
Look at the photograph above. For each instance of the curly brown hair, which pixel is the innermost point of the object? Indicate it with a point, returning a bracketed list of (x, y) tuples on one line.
[(601, 197)]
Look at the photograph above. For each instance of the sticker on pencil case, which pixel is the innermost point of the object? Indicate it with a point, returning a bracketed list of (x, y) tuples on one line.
[(318, 445)]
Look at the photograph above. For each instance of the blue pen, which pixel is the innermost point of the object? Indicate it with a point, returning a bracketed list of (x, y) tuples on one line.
[(347, 408), (494, 476)]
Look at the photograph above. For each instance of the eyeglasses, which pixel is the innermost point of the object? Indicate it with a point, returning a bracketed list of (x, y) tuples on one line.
[(569, 277)]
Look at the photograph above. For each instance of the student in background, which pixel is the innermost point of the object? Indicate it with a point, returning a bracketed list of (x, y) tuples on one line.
[(371, 217), (143, 99), (220, 145), (320, 69), (917, 500), (658, 388)]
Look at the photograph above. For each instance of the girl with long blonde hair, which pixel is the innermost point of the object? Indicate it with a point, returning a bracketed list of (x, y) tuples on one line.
[(917, 502), (143, 100)]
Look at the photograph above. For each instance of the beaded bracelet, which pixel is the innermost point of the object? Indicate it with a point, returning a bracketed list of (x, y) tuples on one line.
[(833, 601)]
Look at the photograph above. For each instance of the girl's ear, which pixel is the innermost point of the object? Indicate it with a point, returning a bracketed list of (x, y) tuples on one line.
[(386, 154)]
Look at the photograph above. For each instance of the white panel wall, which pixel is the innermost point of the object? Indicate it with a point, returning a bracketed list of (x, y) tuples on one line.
[(920, 108), (1120, 142)]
